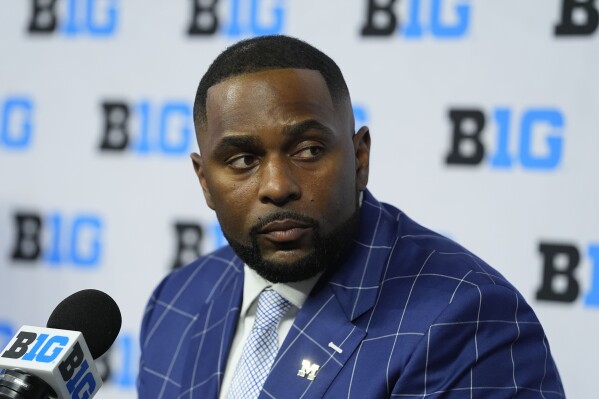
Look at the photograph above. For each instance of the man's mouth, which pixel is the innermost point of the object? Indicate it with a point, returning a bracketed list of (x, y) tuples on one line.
[(282, 231)]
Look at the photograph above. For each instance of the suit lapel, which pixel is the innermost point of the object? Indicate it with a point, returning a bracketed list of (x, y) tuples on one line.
[(321, 321), (211, 336)]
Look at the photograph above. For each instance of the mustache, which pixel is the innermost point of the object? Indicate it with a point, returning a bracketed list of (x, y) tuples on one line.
[(283, 215)]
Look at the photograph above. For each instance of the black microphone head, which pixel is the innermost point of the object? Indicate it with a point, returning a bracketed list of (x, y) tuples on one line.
[(94, 313)]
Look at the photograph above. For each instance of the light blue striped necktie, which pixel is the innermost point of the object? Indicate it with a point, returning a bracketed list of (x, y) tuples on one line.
[(260, 348)]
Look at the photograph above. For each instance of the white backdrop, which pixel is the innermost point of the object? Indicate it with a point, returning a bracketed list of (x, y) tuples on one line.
[(107, 216)]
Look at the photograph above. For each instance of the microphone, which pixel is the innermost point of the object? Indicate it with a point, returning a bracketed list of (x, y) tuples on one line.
[(58, 361)]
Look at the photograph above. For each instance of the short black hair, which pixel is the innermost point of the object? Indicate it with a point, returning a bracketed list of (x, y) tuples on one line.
[(266, 53)]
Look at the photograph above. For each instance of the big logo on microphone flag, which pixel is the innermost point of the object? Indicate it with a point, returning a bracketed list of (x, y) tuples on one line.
[(59, 357)]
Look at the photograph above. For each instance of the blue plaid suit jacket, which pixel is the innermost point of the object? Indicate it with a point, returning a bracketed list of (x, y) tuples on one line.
[(414, 314)]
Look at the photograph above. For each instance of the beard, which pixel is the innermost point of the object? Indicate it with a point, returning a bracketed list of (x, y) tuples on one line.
[(328, 250)]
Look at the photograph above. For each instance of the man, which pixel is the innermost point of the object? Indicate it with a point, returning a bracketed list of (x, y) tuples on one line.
[(367, 303)]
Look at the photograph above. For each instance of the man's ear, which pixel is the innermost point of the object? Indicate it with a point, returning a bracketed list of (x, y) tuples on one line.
[(198, 167), (362, 151)]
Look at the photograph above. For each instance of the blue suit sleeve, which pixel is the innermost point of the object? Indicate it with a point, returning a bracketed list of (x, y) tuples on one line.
[(146, 325), (487, 343)]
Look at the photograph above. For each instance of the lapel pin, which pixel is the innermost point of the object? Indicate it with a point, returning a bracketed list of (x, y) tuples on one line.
[(335, 348), (308, 370)]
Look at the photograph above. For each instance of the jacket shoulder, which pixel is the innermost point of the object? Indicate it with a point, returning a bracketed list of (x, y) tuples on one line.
[(422, 250), (201, 274)]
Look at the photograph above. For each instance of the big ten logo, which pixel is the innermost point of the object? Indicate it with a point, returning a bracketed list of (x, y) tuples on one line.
[(16, 122), (119, 365), (45, 348), (415, 19), (578, 18), (147, 127), (58, 239), (535, 144), (241, 17), (74, 18), (193, 239), (559, 281), (361, 116)]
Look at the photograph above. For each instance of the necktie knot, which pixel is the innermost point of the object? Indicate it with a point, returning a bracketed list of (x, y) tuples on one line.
[(271, 309)]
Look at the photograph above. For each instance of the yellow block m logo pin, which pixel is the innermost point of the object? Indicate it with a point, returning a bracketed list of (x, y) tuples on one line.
[(308, 370)]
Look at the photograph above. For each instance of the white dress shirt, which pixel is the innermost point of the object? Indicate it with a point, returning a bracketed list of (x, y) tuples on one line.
[(253, 285)]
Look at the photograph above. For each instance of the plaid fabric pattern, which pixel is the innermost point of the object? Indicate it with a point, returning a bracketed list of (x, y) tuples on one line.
[(410, 314), (260, 348)]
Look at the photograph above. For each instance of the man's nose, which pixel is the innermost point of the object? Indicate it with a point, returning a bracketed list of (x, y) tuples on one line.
[(278, 184)]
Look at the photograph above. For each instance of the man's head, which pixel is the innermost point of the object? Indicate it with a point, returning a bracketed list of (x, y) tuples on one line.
[(268, 53), (280, 163)]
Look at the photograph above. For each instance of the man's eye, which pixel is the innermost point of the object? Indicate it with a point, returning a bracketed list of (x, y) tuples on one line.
[(309, 152), (242, 162)]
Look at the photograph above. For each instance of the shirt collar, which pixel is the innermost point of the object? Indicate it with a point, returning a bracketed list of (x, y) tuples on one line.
[(254, 284)]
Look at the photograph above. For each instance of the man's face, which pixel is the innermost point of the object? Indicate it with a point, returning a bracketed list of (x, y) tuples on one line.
[(282, 170)]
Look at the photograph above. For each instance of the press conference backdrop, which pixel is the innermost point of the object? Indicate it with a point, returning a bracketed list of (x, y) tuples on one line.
[(484, 118)]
